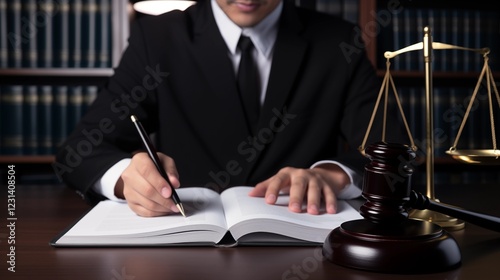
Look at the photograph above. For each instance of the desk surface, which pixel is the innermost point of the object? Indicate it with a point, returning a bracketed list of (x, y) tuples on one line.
[(42, 211)]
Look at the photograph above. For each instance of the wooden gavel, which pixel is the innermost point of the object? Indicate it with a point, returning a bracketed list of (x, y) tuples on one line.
[(386, 240), (389, 195), (421, 202)]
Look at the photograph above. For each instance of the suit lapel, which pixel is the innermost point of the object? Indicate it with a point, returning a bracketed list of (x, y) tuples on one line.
[(289, 52), (210, 52)]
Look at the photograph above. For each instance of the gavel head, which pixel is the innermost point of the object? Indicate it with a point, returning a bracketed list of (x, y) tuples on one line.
[(386, 240), (387, 182)]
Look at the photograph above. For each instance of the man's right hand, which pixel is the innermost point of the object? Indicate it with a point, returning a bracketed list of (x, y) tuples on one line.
[(146, 191)]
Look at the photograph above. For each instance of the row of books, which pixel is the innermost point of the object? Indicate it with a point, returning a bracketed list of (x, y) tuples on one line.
[(457, 177), (456, 26), (347, 9), (449, 114), (55, 33), (35, 119)]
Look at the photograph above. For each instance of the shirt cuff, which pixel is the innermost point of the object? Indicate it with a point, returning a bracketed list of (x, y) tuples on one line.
[(351, 190), (106, 185)]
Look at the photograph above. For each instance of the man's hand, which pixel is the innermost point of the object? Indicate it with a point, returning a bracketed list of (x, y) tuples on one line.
[(145, 190), (312, 185)]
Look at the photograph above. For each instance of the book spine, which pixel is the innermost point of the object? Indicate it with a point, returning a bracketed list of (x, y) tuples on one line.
[(14, 37), (4, 56), (75, 106), (409, 25), (456, 18), (420, 15), (492, 39), (350, 11), (478, 34), (441, 139), (44, 128), (398, 41), (454, 114), (467, 29), (486, 39), (470, 137), (75, 34), (61, 34), (333, 7), (29, 34), (486, 122), (89, 32), (45, 16), (89, 95), (467, 139), (59, 117), (12, 119), (103, 37), (445, 37), (385, 41), (30, 116)]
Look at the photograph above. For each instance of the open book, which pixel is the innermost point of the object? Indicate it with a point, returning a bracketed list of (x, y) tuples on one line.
[(231, 218)]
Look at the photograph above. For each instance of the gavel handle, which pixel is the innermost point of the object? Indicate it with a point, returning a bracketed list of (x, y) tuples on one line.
[(420, 201)]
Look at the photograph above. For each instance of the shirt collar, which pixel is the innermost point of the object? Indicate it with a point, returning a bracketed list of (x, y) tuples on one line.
[(263, 34)]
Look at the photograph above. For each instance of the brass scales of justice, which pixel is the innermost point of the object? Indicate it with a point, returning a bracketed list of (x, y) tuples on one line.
[(402, 230), (470, 156)]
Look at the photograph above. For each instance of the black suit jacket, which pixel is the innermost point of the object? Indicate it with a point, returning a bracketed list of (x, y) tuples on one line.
[(176, 77)]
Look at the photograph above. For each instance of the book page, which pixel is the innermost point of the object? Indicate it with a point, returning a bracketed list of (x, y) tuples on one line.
[(111, 222), (245, 214)]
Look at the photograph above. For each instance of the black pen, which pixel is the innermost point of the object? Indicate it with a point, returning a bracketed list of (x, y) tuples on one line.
[(154, 157)]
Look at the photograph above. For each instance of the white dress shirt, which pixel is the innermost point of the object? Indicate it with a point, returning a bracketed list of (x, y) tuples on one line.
[(263, 36)]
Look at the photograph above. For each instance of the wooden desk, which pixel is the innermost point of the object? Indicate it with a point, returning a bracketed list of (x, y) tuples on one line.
[(43, 211)]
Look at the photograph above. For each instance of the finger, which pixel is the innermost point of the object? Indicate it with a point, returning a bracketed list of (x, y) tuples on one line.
[(138, 188), (330, 200), (297, 191), (139, 192), (313, 196), (269, 188), (145, 207), (147, 169), (260, 189), (145, 212), (277, 183), (168, 164)]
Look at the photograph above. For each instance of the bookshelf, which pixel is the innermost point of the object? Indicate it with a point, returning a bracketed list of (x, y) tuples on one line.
[(455, 72), (384, 24), (54, 55)]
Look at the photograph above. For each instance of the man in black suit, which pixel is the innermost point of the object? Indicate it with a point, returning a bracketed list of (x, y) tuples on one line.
[(179, 77)]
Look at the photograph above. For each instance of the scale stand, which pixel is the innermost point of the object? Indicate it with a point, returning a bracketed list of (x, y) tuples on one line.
[(387, 239), (466, 156)]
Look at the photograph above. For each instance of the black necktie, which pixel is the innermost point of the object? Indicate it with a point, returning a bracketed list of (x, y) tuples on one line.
[(248, 82)]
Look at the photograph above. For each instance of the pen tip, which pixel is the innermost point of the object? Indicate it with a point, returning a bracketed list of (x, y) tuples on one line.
[(181, 209), (133, 118)]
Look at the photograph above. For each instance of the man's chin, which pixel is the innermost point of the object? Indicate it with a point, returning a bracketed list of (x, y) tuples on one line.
[(245, 20)]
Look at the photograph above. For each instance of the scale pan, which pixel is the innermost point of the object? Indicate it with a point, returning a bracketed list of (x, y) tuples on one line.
[(480, 156)]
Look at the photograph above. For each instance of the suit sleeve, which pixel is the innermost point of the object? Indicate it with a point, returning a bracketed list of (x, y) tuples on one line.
[(105, 134)]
